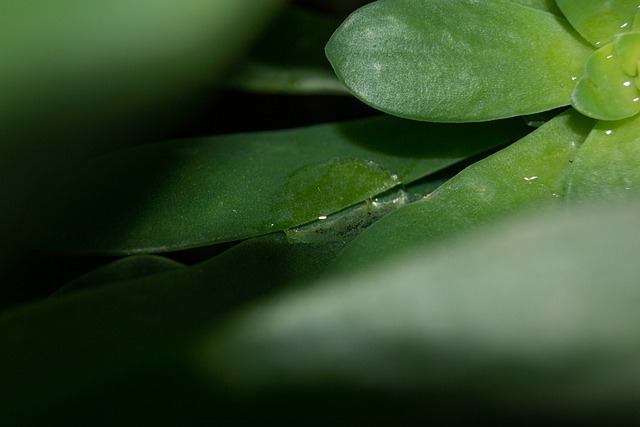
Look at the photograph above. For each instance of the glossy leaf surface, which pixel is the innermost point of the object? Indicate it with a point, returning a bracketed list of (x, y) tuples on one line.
[(599, 20), (188, 193), (606, 167), (528, 174), (537, 315), (427, 60), (606, 91)]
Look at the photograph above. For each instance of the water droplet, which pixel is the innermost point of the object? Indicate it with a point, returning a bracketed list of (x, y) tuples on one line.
[(608, 132), (346, 224), (626, 84), (574, 78), (318, 190), (530, 178), (624, 25)]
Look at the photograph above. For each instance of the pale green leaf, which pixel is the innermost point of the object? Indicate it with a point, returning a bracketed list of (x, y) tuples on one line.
[(429, 60), (605, 91), (599, 20), (606, 167)]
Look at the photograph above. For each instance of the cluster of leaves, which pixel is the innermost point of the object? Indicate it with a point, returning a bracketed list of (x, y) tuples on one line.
[(467, 254)]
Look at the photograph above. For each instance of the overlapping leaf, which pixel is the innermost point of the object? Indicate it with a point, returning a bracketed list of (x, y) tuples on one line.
[(429, 60), (526, 175), (182, 194)]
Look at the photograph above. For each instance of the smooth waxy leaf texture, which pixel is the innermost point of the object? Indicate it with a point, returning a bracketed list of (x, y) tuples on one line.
[(536, 316), (188, 193), (608, 89), (606, 167), (528, 174), (599, 20), (428, 60)]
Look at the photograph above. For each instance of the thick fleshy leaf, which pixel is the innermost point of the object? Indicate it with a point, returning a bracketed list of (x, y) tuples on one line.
[(128, 268), (528, 174), (606, 167), (536, 316), (189, 193), (599, 20), (289, 58), (605, 91), (428, 60), (130, 345)]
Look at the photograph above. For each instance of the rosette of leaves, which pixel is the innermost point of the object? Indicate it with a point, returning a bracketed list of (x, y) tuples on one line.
[(528, 320), (473, 60)]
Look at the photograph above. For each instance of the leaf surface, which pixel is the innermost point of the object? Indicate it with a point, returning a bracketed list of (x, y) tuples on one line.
[(606, 167), (599, 20), (427, 60), (187, 193), (528, 174)]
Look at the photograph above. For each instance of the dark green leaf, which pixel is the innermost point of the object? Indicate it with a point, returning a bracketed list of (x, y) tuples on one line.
[(130, 344), (188, 193), (537, 316), (128, 268)]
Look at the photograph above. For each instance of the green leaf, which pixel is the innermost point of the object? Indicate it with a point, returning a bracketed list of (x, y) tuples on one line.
[(289, 58), (188, 193), (77, 63), (428, 60), (606, 167), (131, 344), (599, 20), (606, 91), (536, 317), (528, 174), (128, 268)]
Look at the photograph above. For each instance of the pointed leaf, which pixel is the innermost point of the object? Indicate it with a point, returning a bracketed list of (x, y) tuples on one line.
[(528, 174), (429, 60), (182, 194), (606, 167)]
